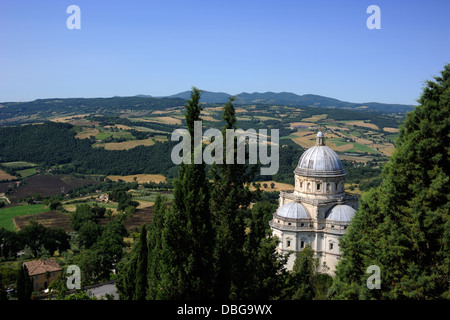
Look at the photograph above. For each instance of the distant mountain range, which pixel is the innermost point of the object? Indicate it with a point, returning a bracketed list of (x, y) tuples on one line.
[(292, 99), (41, 108)]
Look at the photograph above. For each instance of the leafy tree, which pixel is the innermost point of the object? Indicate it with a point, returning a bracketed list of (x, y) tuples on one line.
[(88, 233), (79, 295), (36, 237), (10, 243), (97, 262), (81, 215), (403, 225), (54, 205), (58, 288)]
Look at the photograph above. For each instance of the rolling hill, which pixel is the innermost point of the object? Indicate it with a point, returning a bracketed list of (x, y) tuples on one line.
[(292, 99)]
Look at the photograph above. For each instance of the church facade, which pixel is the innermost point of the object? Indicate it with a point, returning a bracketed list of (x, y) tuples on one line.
[(318, 211)]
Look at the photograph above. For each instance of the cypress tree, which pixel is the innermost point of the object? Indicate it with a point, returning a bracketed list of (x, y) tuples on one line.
[(155, 289), (126, 276), (403, 225), (230, 196), (142, 265), (24, 284), (188, 235)]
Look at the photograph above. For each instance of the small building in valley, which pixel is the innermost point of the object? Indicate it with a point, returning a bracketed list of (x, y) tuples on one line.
[(43, 272)]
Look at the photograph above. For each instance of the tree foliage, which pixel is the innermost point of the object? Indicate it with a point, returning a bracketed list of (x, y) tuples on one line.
[(24, 284), (207, 244), (403, 225)]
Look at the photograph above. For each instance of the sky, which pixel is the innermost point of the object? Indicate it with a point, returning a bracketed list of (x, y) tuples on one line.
[(160, 48)]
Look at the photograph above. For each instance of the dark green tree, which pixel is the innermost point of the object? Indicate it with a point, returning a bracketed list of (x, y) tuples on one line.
[(82, 214), (155, 249), (188, 235), (264, 269), (230, 197), (126, 276), (3, 293), (142, 266), (88, 233), (24, 284), (304, 271), (403, 225)]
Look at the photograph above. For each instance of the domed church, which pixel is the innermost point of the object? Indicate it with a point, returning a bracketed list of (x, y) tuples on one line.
[(318, 211)]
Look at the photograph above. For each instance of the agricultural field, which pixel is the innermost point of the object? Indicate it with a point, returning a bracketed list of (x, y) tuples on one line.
[(126, 145), (9, 213), (278, 186), (140, 178), (71, 205), (49, 219), (18, 164), (45, 185), (6, 176), (360, 137)]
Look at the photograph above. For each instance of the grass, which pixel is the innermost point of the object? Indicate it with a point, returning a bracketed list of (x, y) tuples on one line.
[(361, 148), (71, 207), (25, 173), (18, 164), (148, 196), (339, 141), (7, 214), (116, 134)]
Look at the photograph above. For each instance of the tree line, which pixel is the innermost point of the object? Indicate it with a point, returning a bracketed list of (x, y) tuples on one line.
[(403, 225)]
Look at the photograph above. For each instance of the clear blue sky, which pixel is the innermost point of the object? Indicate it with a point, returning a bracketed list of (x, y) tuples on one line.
[(165, 47)]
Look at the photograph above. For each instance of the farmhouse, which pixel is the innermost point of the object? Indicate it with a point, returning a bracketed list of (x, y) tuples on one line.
[(43, 272)]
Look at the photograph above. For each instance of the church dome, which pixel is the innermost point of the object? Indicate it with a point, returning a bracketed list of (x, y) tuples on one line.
[(341, 213), (293, 210), (319, 161)]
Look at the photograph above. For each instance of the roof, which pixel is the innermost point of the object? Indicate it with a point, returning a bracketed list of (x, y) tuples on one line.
[(319, 161), (293, 210), (341, 213), (36, 267)]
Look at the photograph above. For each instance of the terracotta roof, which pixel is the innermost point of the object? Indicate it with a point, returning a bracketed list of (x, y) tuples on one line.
[(36, 267)]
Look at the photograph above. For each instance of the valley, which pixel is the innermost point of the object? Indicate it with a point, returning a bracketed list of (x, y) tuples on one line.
[(94, 142)]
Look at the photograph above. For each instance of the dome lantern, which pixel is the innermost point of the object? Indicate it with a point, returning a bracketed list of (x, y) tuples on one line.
[(320, 139)]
